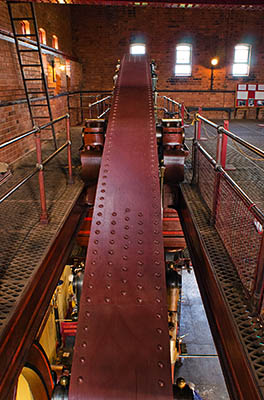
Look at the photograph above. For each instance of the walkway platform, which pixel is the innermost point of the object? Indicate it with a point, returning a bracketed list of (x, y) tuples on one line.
[(24, 240)]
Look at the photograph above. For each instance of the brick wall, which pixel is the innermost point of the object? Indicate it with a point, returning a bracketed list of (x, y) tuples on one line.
[(14, 118), (101, 35)]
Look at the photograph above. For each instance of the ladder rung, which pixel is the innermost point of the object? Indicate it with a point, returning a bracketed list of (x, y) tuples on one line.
[(33, 79), (25, 35), (36, 92), (39, 105), (40, 117), (30, 65), (23, 19), (27, 50)]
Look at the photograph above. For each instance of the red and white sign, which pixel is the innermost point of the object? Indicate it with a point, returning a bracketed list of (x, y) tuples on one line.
[(250, 95)]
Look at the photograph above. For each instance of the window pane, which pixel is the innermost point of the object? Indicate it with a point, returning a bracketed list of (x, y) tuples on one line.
[(241, 54), (183, 69), (137, 49), (240, 69), (183, 54)]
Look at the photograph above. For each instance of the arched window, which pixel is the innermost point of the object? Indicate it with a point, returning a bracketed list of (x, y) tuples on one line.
[(42, 36), (25, 27), (55, 42), (183, 64), (137, 48), (241, 60)]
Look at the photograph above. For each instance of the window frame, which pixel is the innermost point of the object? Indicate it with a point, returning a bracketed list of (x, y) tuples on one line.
[(55, 42), (236, 63), (181, 74), (137, 44), (42, 36)]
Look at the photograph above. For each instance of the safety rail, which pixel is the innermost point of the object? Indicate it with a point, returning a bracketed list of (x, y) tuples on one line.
[(89, 105), (172, 107), (41, 163), (237, 219)]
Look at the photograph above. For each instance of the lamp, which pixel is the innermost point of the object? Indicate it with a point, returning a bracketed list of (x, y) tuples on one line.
[(214, 62)]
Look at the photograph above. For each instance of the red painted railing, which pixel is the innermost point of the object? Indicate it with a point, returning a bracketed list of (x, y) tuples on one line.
[(236, 218), (36, 131)]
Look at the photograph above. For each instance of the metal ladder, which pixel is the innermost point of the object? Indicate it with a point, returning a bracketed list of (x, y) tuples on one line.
[(41, 92)]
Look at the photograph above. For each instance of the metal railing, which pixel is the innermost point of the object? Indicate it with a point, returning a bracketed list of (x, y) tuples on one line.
[(39, 168), (237, 219), (89, 105), (171, 108)]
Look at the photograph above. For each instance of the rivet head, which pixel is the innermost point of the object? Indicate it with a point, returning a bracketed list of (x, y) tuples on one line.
[(160, 364), (159, 347), (139, 300), (84, 344), (126, 227), (157, 287), (109, 274), (124, 269), (96, 241), (98, 223), (111, 252), (140, 287), (99, 214), (85, 328), (113, 222), (97, 232), (123, 292), (158, 316), (157, 274), (112, 232), (140, 241), (108, 286), (124, 257), (112, 242), (161, 383), (124, 281), (127, 218), (88, 299), (82, 360), (126, 237), (107, 299), (80, 379), (159, 331), (139, 274), (127, 210), (158, 300)]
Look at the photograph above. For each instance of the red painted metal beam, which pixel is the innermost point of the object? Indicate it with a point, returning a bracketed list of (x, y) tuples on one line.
[(160, 3), (122, 343)]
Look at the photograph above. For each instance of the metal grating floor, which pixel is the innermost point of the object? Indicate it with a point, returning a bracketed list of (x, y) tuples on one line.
[(24, 241)]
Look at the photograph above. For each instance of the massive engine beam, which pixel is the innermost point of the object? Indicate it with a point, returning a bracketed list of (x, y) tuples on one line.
[(122, 342)]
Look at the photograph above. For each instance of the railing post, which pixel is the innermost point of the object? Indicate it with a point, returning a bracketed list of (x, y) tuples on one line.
[(219, 146), (224, 145), (195, 154), (68, 132), (81, 106), (44, 214), (182, 113), (199, 125)]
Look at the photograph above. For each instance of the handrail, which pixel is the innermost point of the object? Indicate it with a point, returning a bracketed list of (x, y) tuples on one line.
[(40, 165), (17, 138), (103, 113), (99, 101), (244, 197), (221, 129), (171, 100)]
